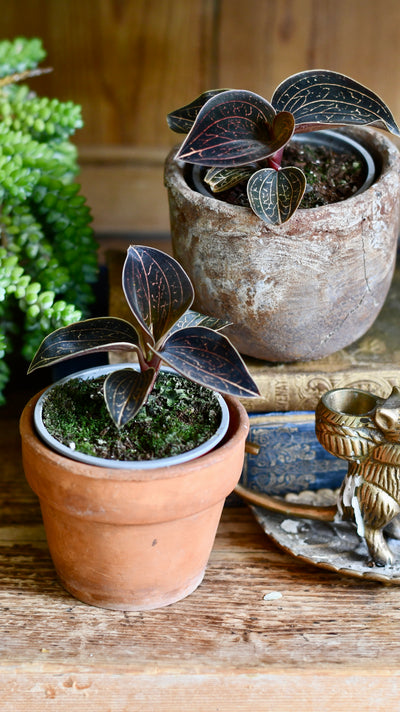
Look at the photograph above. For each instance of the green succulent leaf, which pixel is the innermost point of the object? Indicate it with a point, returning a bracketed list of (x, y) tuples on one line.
[(157, 290), (208, 357), (235, 128), (181, 120), (319, 98), (20, 55), (85, 337), (275, 195), (125, 392), (220, 179)]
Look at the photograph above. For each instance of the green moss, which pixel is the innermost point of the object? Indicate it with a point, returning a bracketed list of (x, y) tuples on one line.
[(179, 416)]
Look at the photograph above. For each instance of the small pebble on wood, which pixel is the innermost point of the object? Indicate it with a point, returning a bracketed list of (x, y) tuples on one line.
[(272, 596)]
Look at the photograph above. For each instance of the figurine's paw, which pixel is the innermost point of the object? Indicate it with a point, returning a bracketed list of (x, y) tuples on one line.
[(380, 552), (379, 560)]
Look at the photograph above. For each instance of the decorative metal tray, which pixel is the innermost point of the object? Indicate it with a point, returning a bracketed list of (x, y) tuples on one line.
[(335, 546)]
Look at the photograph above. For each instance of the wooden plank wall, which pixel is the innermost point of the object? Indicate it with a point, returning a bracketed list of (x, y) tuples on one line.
[(129, 62)]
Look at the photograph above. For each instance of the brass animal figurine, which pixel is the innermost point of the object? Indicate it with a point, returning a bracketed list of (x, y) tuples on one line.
[(365, 430)]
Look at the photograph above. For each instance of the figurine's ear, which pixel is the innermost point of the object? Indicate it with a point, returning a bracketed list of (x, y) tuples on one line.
[(386, 419), (387, 414)]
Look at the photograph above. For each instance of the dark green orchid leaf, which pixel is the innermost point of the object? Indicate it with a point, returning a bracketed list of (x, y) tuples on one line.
[(125, 391), (328, 98), (235, 128), (157, 290), (85, 337), (194, 318), (275, 195), (220, 179), (181, 120), (208, 357)]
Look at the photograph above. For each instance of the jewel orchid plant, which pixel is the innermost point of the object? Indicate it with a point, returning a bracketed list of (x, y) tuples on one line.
[(163, 329), (240, 136)]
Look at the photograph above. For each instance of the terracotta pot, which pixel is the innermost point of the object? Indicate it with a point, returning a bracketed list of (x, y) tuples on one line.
[(132, 539), (298, 291)]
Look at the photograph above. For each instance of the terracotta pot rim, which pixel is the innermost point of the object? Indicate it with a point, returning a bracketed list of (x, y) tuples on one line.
[(230, 441)]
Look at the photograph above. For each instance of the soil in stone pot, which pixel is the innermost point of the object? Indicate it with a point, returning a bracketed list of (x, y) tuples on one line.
[(335, 166), (304, 289), (139, 536)]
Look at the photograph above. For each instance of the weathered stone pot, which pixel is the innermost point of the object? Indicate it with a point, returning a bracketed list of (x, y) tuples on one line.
[(298, 291)]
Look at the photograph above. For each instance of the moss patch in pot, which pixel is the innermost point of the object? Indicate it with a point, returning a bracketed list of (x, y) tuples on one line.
[(179, 416)]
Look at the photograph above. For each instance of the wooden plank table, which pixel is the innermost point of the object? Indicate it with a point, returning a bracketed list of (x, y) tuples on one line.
[(328, 643)]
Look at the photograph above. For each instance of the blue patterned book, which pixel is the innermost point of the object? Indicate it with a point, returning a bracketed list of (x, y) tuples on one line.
[(290, 459)]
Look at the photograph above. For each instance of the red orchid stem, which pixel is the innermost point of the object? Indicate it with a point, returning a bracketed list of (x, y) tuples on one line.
[(276, 160), (154, 363)]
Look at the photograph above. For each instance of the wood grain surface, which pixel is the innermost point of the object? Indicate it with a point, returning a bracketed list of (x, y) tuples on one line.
[(327, 642)]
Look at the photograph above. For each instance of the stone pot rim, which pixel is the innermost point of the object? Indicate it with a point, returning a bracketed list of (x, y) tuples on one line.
[(384, 152)]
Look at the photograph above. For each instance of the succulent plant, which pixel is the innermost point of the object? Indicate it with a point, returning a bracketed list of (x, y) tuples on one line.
[(240, 136), (163, 329), (48, 255)]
